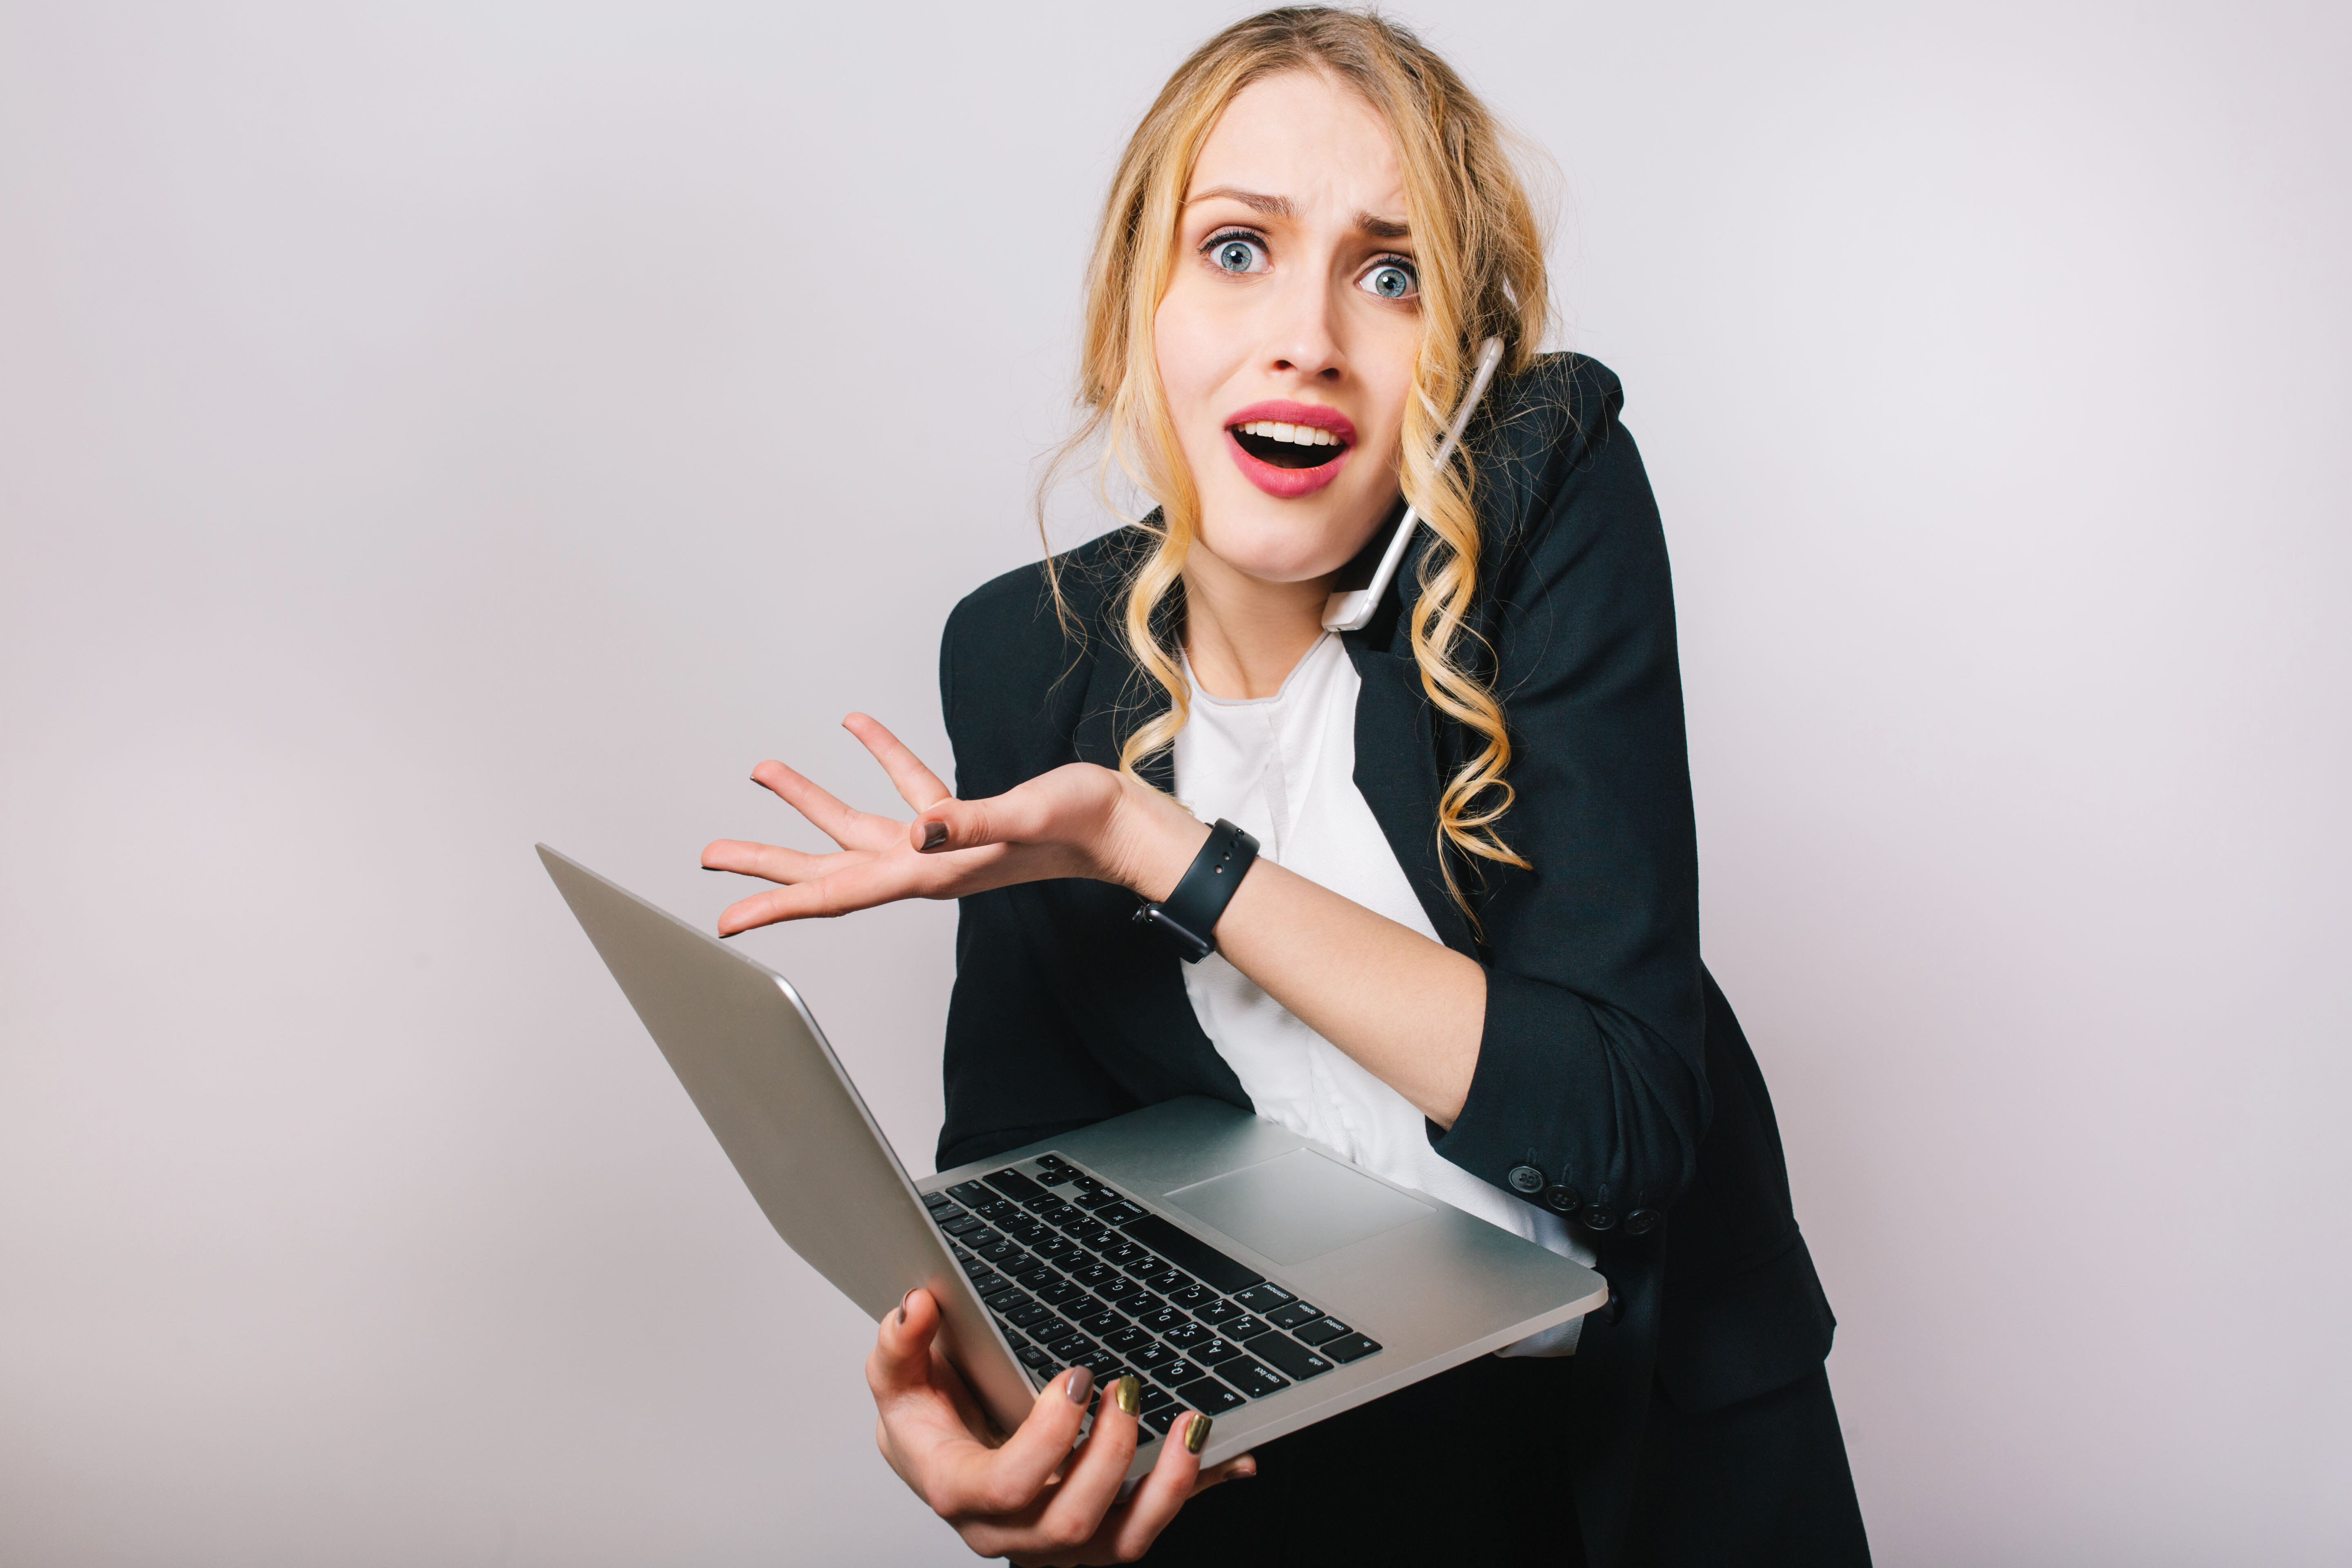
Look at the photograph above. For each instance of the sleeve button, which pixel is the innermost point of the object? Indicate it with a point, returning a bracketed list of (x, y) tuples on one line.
[(1599, 1218), (1564, 1199), (1641, 1222), (1526, 1179)]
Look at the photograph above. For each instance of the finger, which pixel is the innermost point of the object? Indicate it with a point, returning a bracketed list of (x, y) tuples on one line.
[(1007, 1479), (772, 861), (1092, 1483), (1240, 1467), (863, 882), (844, 825), (1174, 1478), (917, 785), (1017, 817)]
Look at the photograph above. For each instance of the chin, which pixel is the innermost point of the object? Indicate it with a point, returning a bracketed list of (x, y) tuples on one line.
[(1284, 542)]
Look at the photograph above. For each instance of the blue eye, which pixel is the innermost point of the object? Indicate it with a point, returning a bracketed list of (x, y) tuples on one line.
[(1236, 254), (1390, 281)]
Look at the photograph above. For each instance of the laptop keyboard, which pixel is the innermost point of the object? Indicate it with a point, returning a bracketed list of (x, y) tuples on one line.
[(1079, 1274)]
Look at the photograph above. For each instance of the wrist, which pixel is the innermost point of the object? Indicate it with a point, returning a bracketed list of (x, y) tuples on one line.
[(1155, 841)]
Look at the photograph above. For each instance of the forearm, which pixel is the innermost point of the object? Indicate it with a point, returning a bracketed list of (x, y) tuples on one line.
[(1410, 1010)]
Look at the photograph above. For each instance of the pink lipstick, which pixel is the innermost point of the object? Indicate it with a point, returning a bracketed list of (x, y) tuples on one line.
[(1290, 449)]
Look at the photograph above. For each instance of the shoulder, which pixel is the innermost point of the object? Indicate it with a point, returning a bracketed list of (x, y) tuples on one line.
[(1543, 427), (1015, 666)]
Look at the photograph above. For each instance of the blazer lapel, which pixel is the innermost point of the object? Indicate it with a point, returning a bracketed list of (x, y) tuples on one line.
[(1396, 770)]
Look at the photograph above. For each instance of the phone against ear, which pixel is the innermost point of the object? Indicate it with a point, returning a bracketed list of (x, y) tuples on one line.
[(1347, 609)]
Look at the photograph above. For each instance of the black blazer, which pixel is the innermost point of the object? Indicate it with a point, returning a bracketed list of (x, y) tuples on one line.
[(1610, 1062)]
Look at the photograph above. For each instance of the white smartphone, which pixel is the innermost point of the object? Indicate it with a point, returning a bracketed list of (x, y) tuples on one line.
[(1350, 605)]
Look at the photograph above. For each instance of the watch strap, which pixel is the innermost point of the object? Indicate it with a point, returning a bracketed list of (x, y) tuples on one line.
[(1188, 917)]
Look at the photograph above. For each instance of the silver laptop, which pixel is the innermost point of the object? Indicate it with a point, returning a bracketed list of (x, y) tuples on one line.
[(1236, 1267)]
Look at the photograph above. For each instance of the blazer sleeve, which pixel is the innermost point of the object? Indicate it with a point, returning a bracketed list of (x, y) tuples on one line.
[(1591, 1064)]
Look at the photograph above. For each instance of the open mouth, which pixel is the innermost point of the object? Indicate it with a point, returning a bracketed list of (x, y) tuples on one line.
[(1288, 445)]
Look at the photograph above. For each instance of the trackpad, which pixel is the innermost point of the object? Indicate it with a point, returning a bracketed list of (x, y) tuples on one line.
[(1297, 1206)]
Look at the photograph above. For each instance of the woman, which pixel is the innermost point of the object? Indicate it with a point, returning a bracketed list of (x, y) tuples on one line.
[(1467, 955)]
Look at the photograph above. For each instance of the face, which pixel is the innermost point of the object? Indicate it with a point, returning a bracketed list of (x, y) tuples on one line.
[(1287, 338)]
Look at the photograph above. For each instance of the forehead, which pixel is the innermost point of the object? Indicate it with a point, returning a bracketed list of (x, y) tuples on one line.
[(1307, 137)]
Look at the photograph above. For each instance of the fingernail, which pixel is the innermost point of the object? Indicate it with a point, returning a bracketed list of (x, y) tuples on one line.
[(1129, 1392), (934, 834), (1196, 1434), (902, 1306), (1081, 1386), (714, 867)]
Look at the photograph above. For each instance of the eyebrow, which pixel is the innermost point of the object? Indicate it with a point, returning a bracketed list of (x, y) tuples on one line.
[(1280, 206)]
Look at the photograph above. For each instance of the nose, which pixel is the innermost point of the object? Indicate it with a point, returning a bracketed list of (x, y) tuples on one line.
[(1304, 340)]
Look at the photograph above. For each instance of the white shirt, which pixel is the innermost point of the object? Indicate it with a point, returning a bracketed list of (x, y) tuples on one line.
[(1284, 767)]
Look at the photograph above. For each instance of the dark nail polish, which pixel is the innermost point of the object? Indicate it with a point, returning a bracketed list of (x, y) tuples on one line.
[(714, 867), (1081, 1386), (1196, 1436), (934, 834)]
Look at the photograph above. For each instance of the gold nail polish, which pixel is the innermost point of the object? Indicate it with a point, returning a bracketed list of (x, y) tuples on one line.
[(1129, 1392), (1196, 1434)]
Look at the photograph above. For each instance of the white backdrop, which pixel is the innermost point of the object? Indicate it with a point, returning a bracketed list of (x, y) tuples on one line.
[(425, 430)]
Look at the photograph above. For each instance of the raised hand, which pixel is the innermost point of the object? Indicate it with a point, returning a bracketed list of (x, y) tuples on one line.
[(1078, 820), (1029, 1496)]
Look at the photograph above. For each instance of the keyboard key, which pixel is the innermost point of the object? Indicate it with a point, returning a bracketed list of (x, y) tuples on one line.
[(1056, 1178), (1213, 1351), (1209, 1396), (935, 1202), (1161, 1322), (1145, 1267), (1104, 1322), (1191, 1298), (1127, 1340), (1169, 1281), (1193, 1255), (1123, 1254), (1321, 1331), (1156, 1397), (1006, 1301), (1030, 1316), (1055, 1249), (1118, 1212), (1124, 1290), (973, 1267), (1176, 1374), (1287, 1356), (1148, 1354), (1066, 1349), (1241, 1331), (969, 1193), (1036, 1358), (1155, 1425), (964, 1225), (1036, 1277), (1214, 1312), (1028, 1232), (1350, 1347), (996, 1209), (1097, 1238), (990, 1283), (1092, 1198), (1094, 1276), (1052, 1210), (1084, 1183), (1014, 1185), (1052, 1161), (999, 1252), (1188, 1336), (1288, 1316), (1263, 1298), (1060, 1293), (1251, 1378)]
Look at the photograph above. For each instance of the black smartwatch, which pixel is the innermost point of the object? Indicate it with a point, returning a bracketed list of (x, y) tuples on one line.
[(1188, 917)]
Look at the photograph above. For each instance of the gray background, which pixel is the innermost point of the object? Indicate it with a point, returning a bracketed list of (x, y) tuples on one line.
[(424, 430)]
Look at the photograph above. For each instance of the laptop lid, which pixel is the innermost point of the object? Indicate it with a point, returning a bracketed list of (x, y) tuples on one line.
[(759, 1070)]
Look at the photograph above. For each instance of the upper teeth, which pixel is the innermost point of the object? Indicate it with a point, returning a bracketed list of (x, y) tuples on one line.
[(1302, 435)]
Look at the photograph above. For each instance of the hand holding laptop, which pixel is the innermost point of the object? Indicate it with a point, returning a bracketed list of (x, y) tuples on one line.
[(1028, 1496)]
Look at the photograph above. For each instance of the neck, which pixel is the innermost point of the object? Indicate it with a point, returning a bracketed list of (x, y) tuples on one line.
[(1244, 635)]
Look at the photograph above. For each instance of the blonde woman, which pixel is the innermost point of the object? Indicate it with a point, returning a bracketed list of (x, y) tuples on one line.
[(1467, 953)]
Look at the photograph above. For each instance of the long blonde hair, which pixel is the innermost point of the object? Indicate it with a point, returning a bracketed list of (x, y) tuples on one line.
[(1479, 250)]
